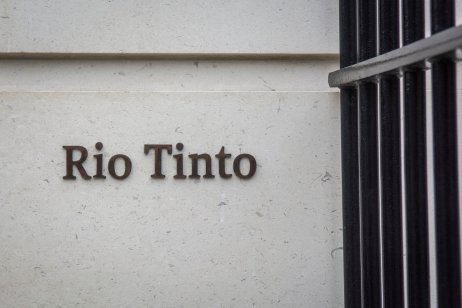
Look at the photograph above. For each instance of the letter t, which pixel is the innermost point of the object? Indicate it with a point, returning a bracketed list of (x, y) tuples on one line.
[(157, 157)]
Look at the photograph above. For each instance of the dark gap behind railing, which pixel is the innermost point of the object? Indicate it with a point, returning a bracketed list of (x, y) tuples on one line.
[(415, 162), (368, 160), (350, 163), (445, 164), (390, 161)]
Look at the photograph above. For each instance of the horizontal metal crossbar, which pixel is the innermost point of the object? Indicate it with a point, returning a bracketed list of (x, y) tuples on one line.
[(425, 49)]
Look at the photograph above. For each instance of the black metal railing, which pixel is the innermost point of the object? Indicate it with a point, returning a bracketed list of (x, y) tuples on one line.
[(384, 124)]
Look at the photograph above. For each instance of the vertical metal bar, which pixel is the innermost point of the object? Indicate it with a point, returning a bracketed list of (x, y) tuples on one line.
[(369, 195), (392, 251), (445, 165), (350, 167), (368, 149), (350, 190), (415, 147)]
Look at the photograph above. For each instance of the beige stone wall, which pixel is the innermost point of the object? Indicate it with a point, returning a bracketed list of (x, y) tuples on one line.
[(247, 75)]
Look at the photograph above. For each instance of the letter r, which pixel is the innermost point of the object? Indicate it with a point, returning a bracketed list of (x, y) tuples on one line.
[(70, 163)]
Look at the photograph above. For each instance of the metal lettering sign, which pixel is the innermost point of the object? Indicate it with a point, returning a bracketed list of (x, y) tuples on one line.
[(157, 150)]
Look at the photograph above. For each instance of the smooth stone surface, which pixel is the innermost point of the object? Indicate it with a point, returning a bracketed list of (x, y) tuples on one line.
[(179, 26), (165, 75), (272, 241)]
